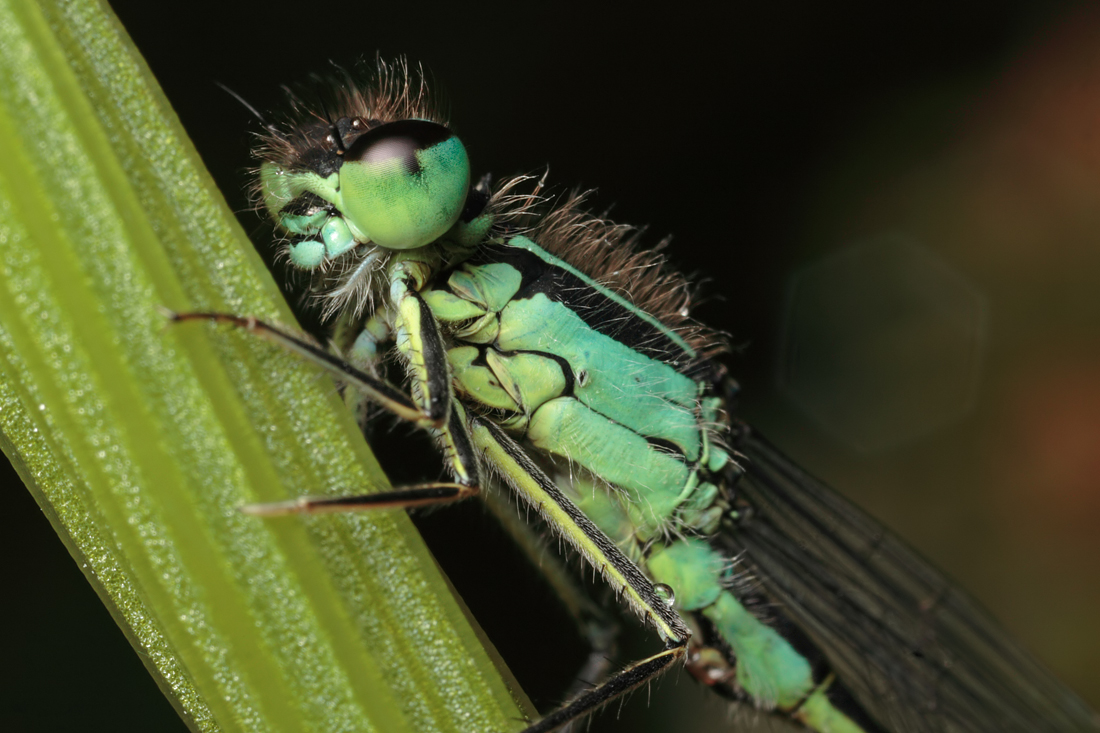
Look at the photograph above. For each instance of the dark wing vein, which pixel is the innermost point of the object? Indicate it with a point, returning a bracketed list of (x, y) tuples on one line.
[(918, 653)]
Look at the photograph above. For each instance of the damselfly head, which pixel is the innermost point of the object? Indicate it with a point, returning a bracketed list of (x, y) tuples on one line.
[(364, 170)]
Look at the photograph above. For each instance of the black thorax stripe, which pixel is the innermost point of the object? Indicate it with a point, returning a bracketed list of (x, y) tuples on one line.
[(591, 304)]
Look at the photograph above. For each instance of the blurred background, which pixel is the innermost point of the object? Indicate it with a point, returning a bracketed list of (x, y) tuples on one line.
[(893, 210)]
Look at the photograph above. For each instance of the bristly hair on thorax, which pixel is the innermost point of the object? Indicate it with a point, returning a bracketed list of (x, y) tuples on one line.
[(607, 252), (612, 255)]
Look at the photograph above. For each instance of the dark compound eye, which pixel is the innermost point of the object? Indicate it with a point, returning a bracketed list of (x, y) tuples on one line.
[(403, 184), (397, 142)]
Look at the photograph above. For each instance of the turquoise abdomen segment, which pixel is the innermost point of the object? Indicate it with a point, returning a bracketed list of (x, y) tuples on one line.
[(692, 569), (768, 667), (771, 671), (818, 713)]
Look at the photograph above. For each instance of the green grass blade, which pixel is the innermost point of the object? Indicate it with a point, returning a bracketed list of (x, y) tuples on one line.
[(139, 440)]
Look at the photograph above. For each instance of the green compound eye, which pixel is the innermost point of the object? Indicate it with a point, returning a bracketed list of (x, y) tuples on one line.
[(403, 184)]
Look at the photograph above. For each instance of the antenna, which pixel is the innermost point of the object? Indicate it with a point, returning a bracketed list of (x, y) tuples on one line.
[(270, 127)]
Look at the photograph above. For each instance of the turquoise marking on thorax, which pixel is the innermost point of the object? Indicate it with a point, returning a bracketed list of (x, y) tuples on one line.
[(525, 243), (643, 394), (602, 507), (450, 308), (653, 479), (490, 286), (511, 383)]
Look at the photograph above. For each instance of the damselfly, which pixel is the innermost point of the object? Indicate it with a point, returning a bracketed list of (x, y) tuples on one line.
[(541, 346)]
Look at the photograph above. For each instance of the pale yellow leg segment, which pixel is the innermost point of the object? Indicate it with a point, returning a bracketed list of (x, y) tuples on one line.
[(420, 342)]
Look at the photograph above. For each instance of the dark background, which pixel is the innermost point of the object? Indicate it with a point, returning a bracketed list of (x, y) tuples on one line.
[(764, 136)]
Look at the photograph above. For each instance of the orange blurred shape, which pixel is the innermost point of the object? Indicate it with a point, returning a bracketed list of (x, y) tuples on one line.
[(1055, 429)]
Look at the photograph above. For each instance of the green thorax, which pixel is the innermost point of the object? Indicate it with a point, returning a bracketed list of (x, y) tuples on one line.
[(584, 376)]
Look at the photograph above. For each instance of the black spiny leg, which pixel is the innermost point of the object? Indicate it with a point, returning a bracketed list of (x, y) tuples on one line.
[(452, 428)]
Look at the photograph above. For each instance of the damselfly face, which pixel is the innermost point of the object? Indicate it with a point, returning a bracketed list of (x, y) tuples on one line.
[(396, 185), (381, 173)]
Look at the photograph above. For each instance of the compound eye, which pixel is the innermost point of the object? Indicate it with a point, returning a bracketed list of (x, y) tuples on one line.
[(403, 184)]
